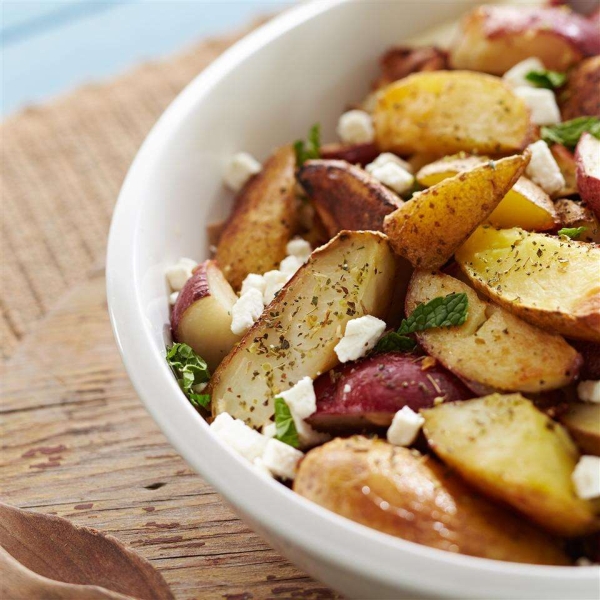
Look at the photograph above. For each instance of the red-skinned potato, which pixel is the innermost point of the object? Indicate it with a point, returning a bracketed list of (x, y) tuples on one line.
[(367, 393), (495, 38), (590, 351), (568, 167), (581, 97), (201, 317), (573, 214), (355, 154), (399, 62), (587, 157)]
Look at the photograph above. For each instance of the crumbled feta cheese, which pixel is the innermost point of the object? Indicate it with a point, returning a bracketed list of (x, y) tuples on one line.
[(173, 298), (541, 103), (289, 265), (281, 459), (347, 388), (253, 281), (269, 430), (245, 311), (274, 281), (543, 169), (301, 398), (516, 75), (356, 127), (239, 170), (259, 465), (393, 176), (405, 427), (360, 336), (299, 248), (180, 272), (589, 391), (385, 158), (307, 436), (239, 437), (586, 477)]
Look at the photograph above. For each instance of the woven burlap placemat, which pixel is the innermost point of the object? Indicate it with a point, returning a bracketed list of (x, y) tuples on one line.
[(63, 164)]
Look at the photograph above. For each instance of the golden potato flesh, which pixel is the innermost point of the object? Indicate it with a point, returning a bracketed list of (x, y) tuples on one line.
[(429, 228), (583, 422), (525, 205), (414, 497), (351, 276), (450, 111), (263, 220), (549, 281), (493, 348), (508, 449)]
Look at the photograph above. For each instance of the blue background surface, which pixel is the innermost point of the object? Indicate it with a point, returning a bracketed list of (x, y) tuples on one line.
[(50, 47)]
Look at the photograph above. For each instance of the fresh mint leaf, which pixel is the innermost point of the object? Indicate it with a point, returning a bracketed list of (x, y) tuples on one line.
[(569, 132), (546, 79), (444, 311), (190, 370), (284, 424), (572, 232), (306, 150), (394, 342)]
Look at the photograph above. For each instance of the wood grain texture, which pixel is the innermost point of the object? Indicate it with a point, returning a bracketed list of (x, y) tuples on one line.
[(76, 442)]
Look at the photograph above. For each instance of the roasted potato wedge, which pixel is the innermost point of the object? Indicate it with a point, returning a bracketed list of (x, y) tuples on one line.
[(587, 158), (444, 112), (583, 423), (366, 394), (493, 348), (549, 281), (264, 219), (429, 228), (355, 154), (414, 497), (511, 451), (401, 61), (346, 196), (566, 163), (525, 205), (581, 95), (574, 214), (351, 276), (493, 39)]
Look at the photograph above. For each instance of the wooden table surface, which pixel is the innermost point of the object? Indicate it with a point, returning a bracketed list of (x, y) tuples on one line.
[(76, 442)]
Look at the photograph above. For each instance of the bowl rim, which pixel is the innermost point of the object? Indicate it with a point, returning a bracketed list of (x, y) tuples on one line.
[(341, 542)]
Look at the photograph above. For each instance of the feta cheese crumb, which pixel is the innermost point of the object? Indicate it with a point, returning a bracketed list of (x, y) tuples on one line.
[(356, 127), (289, 265), (259, 465), (274, 281), (543, 169), (269, 430), (299, 248), (541, 103), (281, 459), (245, 311), (589, 391), (239, 170), (586, 477), (388, 157), (347, 388), (360, 336), (173, 298), (301, 398), (393, 176), (516, 75), (180, 272), (405, 427), (239, 437), (253, 281)]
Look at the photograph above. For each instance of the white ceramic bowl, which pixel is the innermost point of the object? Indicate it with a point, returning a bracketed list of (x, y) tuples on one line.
[(303, 67)]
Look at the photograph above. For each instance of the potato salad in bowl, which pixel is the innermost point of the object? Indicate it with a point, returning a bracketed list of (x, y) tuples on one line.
[(403, 324)]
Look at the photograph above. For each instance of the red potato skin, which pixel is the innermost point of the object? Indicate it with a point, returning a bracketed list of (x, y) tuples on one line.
[(588, 183), (590, 351), (196, 288), (401, 61), (381, 385), (355, 154)]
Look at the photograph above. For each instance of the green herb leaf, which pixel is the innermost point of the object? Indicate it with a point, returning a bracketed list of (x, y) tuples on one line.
[(190, 370), (569, 132), (309, 149), (444, 311), (394, 342), (546, 79), (284, 424), (572, 232)]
